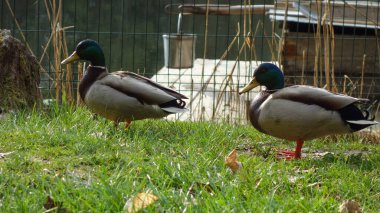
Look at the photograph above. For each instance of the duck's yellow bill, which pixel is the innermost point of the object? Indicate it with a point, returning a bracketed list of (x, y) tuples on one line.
[(73, 57), (250, 86)]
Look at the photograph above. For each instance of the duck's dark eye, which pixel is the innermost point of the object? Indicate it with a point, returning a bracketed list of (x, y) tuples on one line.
[(260, 70), (82, 47)]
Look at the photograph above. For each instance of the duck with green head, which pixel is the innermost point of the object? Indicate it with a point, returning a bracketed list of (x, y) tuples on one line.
[(121, 96), (301, 112)]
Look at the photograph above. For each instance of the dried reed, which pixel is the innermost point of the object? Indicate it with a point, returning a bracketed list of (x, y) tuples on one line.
[(206, 83), (333, 81), (345, 85), (362, 76), (303, 67), (226, 82), (329, 48), (204, 56), (283, 34), (80, 69), (271, 43), (317, 40), (273, 39), (63, 81), (326, 41)]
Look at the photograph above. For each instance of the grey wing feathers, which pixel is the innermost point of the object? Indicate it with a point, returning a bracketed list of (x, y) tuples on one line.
[(149, 81), (143, 89), (317, 96)]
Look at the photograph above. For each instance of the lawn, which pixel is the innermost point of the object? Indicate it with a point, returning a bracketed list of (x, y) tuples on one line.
[(83, 164)]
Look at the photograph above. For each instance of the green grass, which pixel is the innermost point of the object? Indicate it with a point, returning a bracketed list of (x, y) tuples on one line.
[(86, 165)]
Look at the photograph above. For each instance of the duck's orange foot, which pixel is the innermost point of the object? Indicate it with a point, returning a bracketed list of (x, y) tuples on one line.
[(287, 155), (127, 123)]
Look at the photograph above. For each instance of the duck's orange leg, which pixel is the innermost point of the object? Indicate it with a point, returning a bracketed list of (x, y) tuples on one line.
[(297, 154), (288, 155), (127, 123), (116, 124)]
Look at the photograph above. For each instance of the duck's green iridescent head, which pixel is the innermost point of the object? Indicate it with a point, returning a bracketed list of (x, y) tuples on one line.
[(268, 75), (88, 50)]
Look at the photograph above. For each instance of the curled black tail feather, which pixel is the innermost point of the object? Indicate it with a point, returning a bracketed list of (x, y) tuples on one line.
[(367, 114), (351, 114), (174, 103)]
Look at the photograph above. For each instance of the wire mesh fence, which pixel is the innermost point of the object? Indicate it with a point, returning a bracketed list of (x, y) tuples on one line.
[(211, 47)]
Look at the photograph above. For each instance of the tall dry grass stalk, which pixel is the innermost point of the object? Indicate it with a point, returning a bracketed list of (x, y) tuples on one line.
[(273, 38), (326, 42), (80, 69), (362, 76), (283, 33), (273, 45), (351, 85), (201, 112), (226, 82), (207, 82), (318, 45), (246, 46), (329, 47), (324, 38), (251, 42), (246, 22), (332, 43), (63, 81), (234, 100), (333, 81), (303, 67)]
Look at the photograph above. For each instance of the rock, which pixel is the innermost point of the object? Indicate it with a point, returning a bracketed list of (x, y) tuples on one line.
[(19, 74)]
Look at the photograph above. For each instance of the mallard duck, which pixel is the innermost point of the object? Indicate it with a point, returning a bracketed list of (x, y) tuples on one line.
[(301, 112), (121, 96)]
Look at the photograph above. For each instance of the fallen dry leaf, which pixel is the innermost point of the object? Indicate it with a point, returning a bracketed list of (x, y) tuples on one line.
[(258, 181), (350, 206), (49, 203), (53, 206), (2, 155), (141, 201), (232, 163), (315, 185)]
